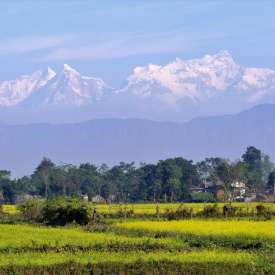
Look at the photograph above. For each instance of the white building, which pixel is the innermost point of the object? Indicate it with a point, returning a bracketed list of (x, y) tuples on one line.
[(239, 189)]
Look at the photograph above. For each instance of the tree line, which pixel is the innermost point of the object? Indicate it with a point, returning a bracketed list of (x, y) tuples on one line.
[(169, 180)]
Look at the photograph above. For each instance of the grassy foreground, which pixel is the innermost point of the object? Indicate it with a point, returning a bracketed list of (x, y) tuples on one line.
[(25, 238), (139, 245), (28, 249), (215, 262)]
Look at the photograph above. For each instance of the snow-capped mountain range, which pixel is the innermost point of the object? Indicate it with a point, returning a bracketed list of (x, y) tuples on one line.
[(15, 91), (67, 87), (182, 86), (201, 79)]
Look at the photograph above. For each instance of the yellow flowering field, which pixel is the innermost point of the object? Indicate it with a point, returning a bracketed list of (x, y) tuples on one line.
[(207, 256), (150, 208), (10, 209), (28, 236), (255, 229)]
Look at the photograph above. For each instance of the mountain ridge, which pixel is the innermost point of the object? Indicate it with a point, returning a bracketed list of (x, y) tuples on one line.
[(180, 90), (113, 140)]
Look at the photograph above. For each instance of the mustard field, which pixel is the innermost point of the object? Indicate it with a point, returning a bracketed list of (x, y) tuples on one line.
[(140, 244), (30, 249), (259, 229), (150, 208)]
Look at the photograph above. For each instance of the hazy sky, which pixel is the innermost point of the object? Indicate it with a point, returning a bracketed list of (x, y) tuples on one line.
[(108, 38)]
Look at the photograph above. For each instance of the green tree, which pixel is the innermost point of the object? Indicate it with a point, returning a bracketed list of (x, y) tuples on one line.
[(44, 172), (259, 167), (224, 173), (90, 180), (271, 182)]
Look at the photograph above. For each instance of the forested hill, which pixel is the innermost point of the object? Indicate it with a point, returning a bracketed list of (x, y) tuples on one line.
[(113, 140)]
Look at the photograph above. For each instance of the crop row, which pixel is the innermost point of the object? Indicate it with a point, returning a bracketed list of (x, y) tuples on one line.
[(194, 262), (28, 249), (17, 238), (257, 229), (205, 233), (151, 209)]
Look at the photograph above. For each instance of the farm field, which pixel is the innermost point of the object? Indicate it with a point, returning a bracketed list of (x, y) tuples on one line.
[(238, 234), (252, 229), (134, 262), (150, 208), (10, 209), (28, 249), (33, 249), (141, 244)]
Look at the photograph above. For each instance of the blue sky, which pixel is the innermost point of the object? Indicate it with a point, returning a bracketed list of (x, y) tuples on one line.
[(108, 38)]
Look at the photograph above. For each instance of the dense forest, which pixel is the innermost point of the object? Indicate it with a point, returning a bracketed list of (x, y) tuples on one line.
[(175, 179)]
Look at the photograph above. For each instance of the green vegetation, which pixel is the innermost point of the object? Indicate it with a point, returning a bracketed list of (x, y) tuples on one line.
[(171, 180), (135, 263), (31, 209), (23, 238)]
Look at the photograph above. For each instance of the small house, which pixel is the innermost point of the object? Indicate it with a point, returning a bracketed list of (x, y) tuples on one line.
[(85, 197), (98, 199), (238, 190)]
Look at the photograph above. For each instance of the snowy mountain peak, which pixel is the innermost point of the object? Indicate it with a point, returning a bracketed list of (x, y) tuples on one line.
[(51, 73), (178, 85), (196, 79), (68, 87), (224, 54), (12, 92), (46, 87), (67, 69)]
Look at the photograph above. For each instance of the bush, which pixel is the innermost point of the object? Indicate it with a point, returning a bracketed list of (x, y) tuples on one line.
[(64, 211), (124, 213), (31, 209), (229, 210), (210, 211), (263, 212), (181, 213)]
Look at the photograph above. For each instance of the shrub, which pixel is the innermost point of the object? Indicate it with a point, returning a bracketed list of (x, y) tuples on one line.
[(210, 211), (125, 213), (181, 213), (184, 212), (63, 211), (229, 210), (263, 211), (31, 209)]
